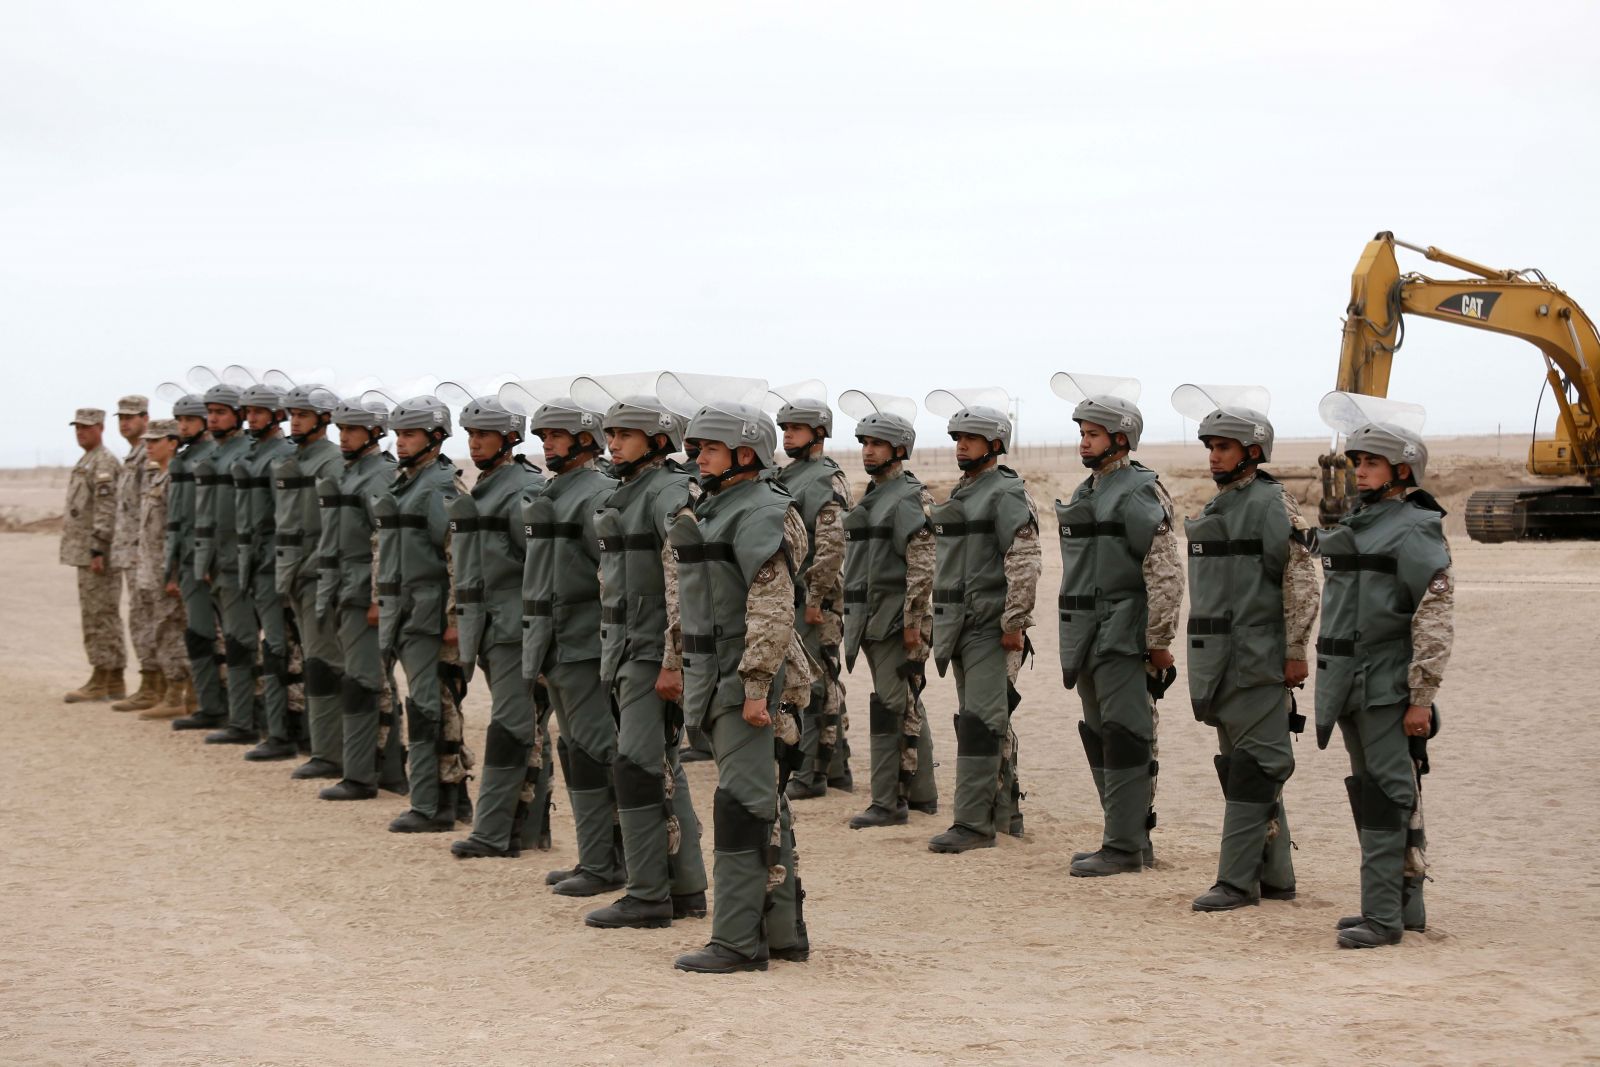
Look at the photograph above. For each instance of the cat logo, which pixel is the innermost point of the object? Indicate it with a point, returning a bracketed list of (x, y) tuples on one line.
[(1469, 305)]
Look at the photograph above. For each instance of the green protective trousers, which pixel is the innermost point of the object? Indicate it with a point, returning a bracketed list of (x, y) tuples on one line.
[(902, 753), (513, 723), (1383, 794), (647, 753), (744, 810), (986, 780), (1256, 759), (374, 745), (1118, 733), (587, 749), (241, 643), (319, 649), (200, 641), (424, 713), (268, 605)]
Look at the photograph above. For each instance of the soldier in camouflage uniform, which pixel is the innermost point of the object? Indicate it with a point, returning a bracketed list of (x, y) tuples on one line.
[(256, 527), (561, 635), (416, 615), (296, 569), (1253, 599), (822, 493), (133, 418), (490, 546), (217, 560), (641, 663), (737, 553), (1388, 625), (86, 536), (200, 617), (374, 752), (166, 621), (986, 574), (1121, 591), (888, 598)]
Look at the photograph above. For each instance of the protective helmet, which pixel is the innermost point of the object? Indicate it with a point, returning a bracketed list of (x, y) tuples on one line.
[(648, 415), (226, 395), (421, 413), (191, 405), (565, 413), (1379, 426), (1103, 400), (802, 404), (1235, 412), (736, 425), (980, 411), (265, 397), (880, 415), (314, 398), (487, 413), (359, 411)]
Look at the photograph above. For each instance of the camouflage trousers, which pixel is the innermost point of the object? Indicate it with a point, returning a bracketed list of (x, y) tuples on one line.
[(142, 626), (169, 654), (100, 611)]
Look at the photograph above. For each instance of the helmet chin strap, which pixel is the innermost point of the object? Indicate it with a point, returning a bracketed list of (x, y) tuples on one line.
[(494, 461), (372, 442), (558, 464), (435, 439), (974, 464), (322, 424), (1095, 462), (1239, 470), (624, 468), (875, 469), (802, 451), (713, 483)]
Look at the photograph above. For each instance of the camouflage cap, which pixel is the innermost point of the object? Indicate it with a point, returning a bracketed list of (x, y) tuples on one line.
[(133, 404), (160, 428), (89, 417)]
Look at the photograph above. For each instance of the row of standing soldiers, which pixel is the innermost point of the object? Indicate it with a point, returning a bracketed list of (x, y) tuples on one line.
[(634, 601)]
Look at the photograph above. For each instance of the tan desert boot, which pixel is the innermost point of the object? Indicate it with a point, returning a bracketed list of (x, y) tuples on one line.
[(173, 704), (151, 686), (92, 691)]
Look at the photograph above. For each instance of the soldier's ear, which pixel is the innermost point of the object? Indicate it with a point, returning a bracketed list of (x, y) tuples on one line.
[(1402, 472)]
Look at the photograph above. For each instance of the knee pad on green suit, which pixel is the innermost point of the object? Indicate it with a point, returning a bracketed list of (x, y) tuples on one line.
[(501, 748), (1094, 746), (321, 678), (1379, 811), (637, 787), (275, 663), (974, 738), (1013, 698), (584, 772), (736, 828), (418, 726), (1352, 788), (240, 657), (1223, 763), (196, 644), (881, 720), (1247, 782), (356, 698), (1124, 750)]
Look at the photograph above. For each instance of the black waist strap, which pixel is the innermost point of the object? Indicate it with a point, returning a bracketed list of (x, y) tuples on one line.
[(711, 551), (261, 482), (617, 615), (962, 529), (869, 533), (303, 481), (174, 524), (1093, 529), (1357, 561), (403, 522), (247, 538), (539, 608), (855, 596), (947, 596), (634, 542), (699, 643), (469, 596), (1244, 547), (328, 563), (472, 524), (290, 540), (570, 531), (1203, 627), (1335, 646), (182, 476), (388, 588), (212, 479), (205, 531), (1075, 603)]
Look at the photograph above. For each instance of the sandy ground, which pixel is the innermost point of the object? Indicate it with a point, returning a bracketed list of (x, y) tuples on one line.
[(165, 902)]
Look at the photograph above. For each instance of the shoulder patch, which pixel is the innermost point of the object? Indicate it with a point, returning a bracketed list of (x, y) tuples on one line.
[(1440, 583), (766, 574)]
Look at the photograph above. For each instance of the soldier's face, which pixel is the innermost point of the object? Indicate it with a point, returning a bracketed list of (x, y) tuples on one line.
[(796, 435), (627, 446), (89, 437), (132, 427), (408, 443), (160, 449), (258, 419), (1372, 471), (302, 421), (1224, 454), (352, 438), (715, 458), (191, 425), (483, 444), (220, 418), (971, 446), (558, 445), (1092, 439), (875, 452)]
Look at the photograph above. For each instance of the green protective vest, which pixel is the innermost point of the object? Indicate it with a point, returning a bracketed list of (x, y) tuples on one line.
[(737, 530), (327, 557), (1376, 566), (561, 574), (294, 480), (630, 531), (1238, 547), (413, 597), (972, 532), (255, 510), (810, 482), (876, 533), (216, 536), (180, 503), (489, 546), (345, 568), (1105, 534)]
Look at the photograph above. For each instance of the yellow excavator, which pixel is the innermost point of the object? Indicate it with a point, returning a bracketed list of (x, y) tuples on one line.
[(1520, 303)]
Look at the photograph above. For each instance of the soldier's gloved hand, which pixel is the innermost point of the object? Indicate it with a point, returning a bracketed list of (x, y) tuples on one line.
[(1160, 658), (97, 563), (755, 712), (669, 685), (372, 614), (813, 615), (1294, 673), (912, 638), (1011, 642)]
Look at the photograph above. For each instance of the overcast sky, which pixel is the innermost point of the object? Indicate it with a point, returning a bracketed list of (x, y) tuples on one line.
[(885, 196)]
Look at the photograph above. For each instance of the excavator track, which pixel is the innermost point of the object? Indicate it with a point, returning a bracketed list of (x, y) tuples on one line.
[(1563, 512), (1494, 515)]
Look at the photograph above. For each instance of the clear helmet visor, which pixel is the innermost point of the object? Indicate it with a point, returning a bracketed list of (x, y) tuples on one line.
[(1076, 388), (1195, 402)]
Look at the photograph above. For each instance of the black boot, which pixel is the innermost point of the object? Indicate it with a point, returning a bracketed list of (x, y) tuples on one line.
[(880, 816), (1224, 897), (558, 876), (583, 884), (1149, 857), (273, 748), (470, 848), (345, 789), (1348, 922), (800, 951), (714, 959), (232, 735), (689, 906), (1107, 861), (960, 839), (414, 822), (927, 807), (317, 768), (1365, 935), (200, 720), (631, 913)]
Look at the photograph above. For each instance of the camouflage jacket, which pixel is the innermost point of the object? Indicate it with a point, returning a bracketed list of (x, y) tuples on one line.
[(151, 526), (91, 515), (1164, 576), (130, 492)]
